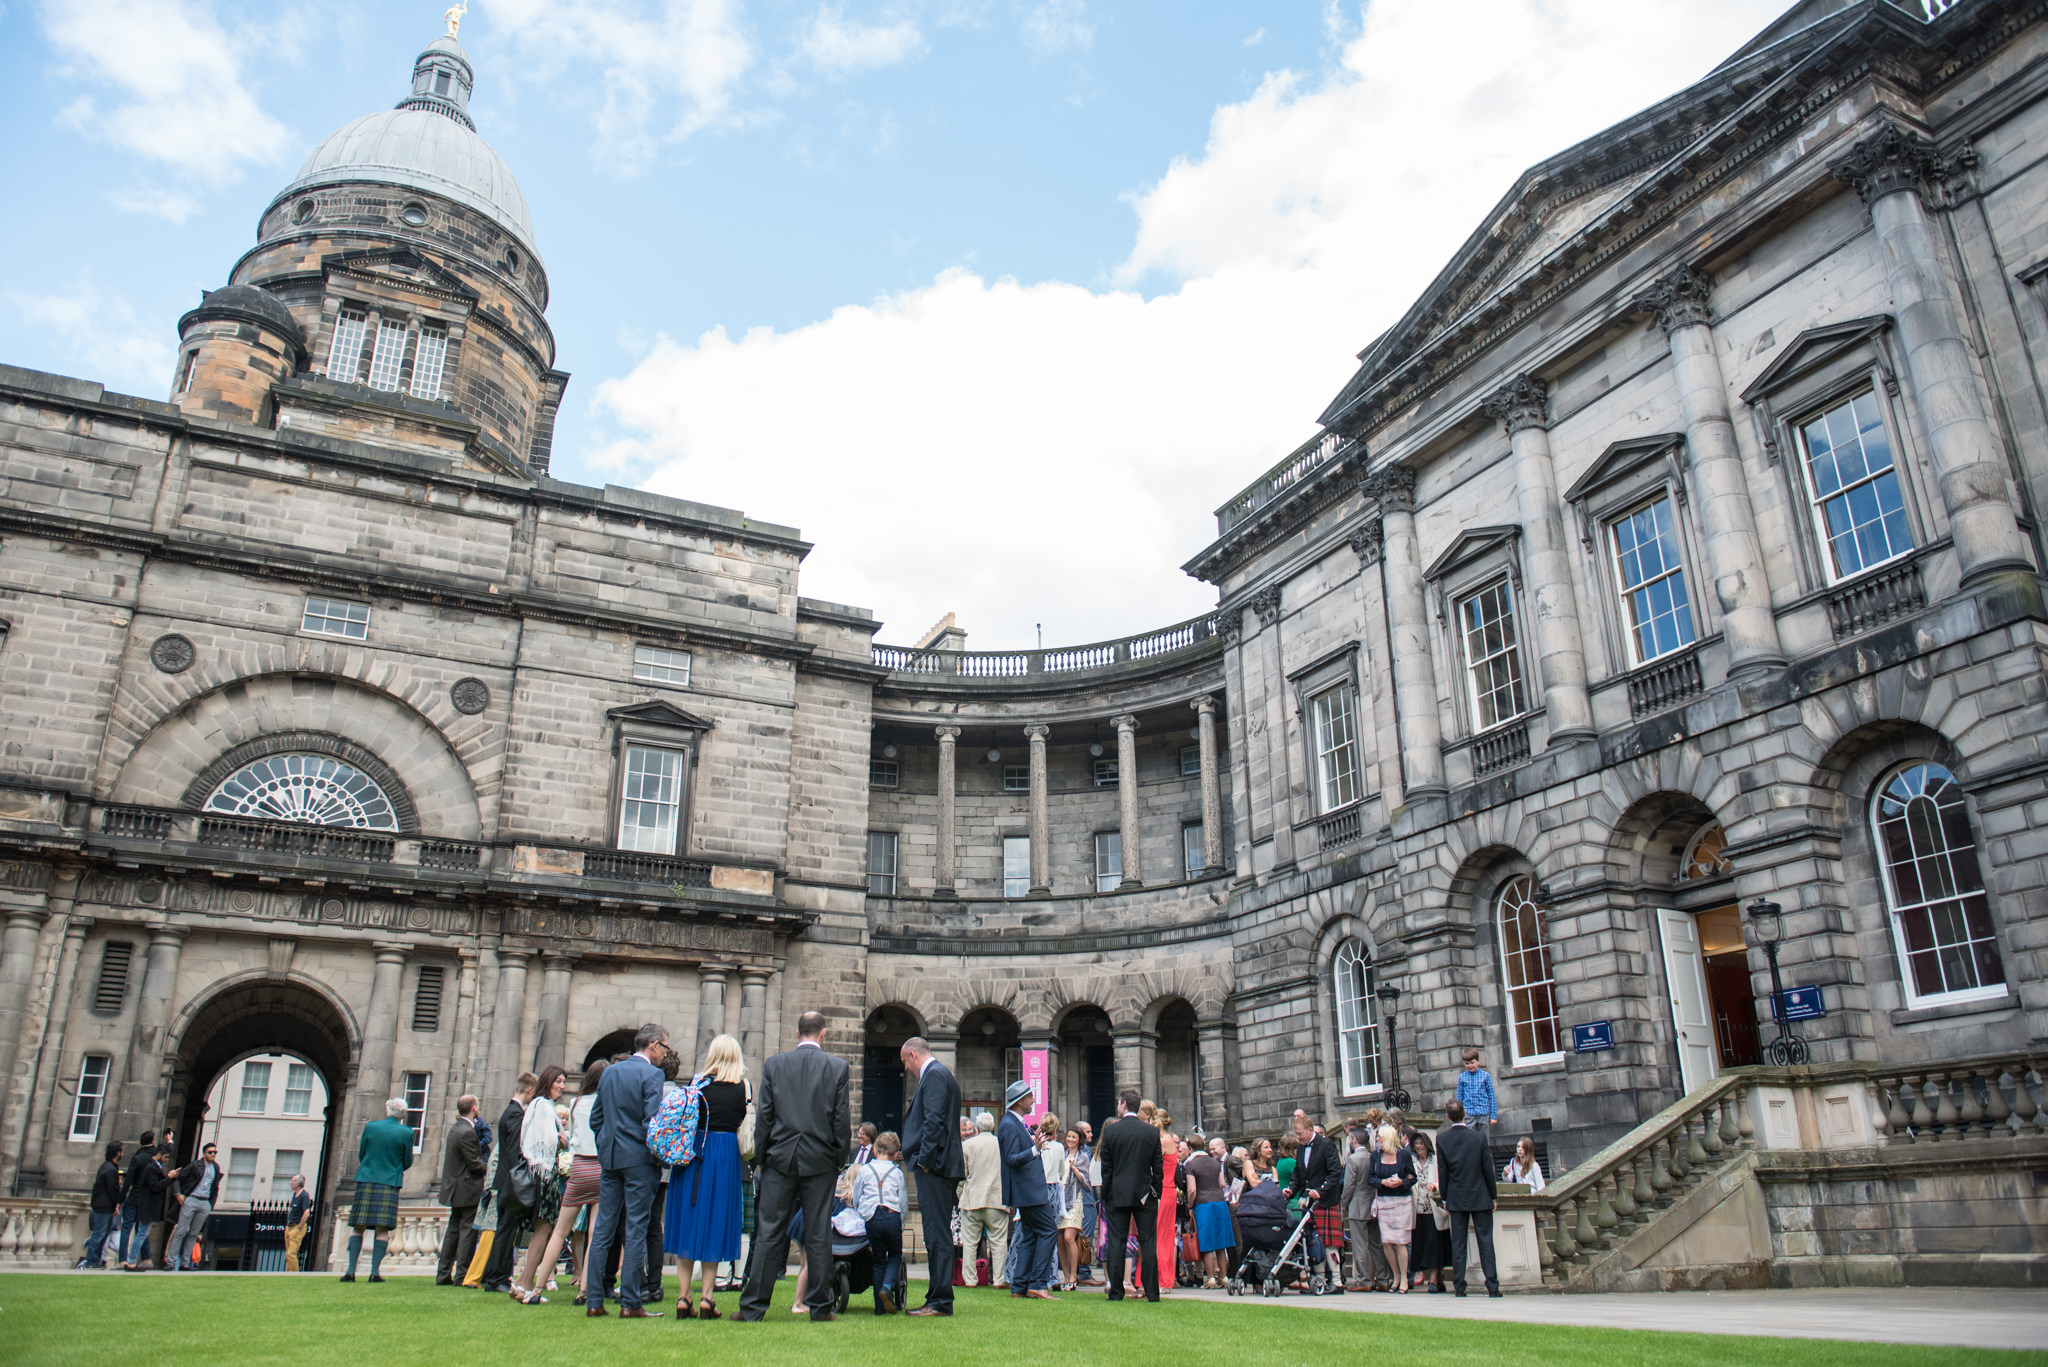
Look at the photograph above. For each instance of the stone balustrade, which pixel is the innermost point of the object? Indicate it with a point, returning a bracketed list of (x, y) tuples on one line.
[(1979, 1099), (1293, 469), (415, 1244), (914, 662), (1882, 596), (1500, 748), (1665, 682), (44, 1233)]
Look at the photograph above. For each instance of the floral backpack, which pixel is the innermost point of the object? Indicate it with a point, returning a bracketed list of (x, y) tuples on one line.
[(676, 1134)]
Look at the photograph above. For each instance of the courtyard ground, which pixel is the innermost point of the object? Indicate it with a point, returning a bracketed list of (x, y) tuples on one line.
[(172, 1320)]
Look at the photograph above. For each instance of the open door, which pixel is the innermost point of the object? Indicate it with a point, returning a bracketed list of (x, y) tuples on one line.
[(1685, 974)]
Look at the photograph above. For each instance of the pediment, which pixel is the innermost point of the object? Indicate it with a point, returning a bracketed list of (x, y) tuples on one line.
[(401, 267), (1623, 458), (1813, 349), (1471, 544), (658, 712)]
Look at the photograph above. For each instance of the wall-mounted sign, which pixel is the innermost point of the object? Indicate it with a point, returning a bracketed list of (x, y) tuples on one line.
[(1801, 1004), (1593, 1036), (1037, 1070)]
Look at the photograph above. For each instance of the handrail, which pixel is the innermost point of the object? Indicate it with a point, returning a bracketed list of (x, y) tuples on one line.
[(1018, 664), (1292, 469)]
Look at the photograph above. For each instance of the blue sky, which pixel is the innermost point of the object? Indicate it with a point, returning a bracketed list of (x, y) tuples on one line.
[(994, 299)]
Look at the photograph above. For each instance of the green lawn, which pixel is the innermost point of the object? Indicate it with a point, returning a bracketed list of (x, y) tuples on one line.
[(165, 1320)]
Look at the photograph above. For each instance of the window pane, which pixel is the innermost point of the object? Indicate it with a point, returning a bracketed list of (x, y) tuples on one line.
[(1357, 1024), (1016, 865), (1016, 778), (92, 1091), (255, 1088), (655, 665), (331, 617), (1193, 857), (1109, 860), (316, 789), (882, 773), (1493, 659), (1526, 970), (284, 1166), (1652, 581), (1106, 773), (1934, 884), (389, 357), (241, 1176), (647, 816), (298, 1089), (426, 364), (1336, 748), (345, 359), (416, 1085), (1190, 761), (1857, 503), (882, 863)]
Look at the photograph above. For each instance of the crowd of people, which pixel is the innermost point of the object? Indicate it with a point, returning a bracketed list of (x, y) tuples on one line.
[(651, 1162)]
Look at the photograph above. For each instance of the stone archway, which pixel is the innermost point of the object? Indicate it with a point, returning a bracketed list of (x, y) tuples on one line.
[(989, 1057), (1087, 1083), (885, 1090), (1176, 1069)]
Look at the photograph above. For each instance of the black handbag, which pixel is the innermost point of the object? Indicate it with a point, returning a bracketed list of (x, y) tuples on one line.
[(524, 1183)]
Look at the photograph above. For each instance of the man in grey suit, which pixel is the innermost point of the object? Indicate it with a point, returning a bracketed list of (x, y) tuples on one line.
[(801, 1120), (462, 1187), (628, 1096), (931, 1150)]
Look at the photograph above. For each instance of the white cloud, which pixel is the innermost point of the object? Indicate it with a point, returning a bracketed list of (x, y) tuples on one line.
[(163, 80), (1257, 36), (1058, 25), (838, 46), (98, 334), (666, 68), (1049, 452)]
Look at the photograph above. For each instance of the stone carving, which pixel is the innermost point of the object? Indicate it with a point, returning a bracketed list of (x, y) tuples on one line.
[(649, 931), (1266, 603), (1368, 541), (204, 898), (1678, 299), (173, 654), (1124, 722), (470, 696), (30, 877), (1892, 159), (1392, 487), (1522, 402)]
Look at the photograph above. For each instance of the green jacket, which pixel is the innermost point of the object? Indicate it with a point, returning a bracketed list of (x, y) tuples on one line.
[(385, 1153)]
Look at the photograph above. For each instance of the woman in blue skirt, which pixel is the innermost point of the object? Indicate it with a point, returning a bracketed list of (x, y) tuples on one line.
[(702, 1226)]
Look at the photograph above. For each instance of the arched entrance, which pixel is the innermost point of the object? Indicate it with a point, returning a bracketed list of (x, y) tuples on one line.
[(1088, 1066), (610, 1047), (257, 1018), (884, 1088), (990, 1058), (1178, 1081)]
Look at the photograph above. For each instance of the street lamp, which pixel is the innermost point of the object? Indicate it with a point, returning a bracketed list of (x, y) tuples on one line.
[(1787, 1050), (1390, 997)]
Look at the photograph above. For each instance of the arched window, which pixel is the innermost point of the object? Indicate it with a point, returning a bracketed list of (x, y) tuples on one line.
[(1939, 915), (1706, 855), (1358, 1033), (1525, 972), (317, 789)]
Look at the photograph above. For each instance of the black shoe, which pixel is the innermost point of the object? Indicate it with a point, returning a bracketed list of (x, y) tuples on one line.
[(444, 1281), (1117, 1297), (1459, 1294), (822, 1316), (1493, 1295), (375, 1278), (348, 1276)]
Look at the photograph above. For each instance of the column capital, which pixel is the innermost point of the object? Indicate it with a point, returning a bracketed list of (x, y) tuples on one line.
[(168, 935), (752, 975), (1678, 299), (946, 734), (392, 950), (559, 958), (469, 957), (1124, 722), (1893, 160), (1206, 704), (1266, 603), (1392, 487), (1037, 732), (715, 972), (1368, 541), (518, 954), (1523, 402), (77, 926)]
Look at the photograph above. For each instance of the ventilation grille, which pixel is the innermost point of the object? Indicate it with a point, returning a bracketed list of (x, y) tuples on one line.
[(113, 985), (426, 999)]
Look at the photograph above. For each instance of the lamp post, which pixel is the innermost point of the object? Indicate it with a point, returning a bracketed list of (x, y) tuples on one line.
[(1787, 1050), (1390, 997)]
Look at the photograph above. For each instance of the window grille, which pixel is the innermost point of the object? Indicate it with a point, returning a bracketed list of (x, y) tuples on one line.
[(91, 1098), (1194, 857), (882, 773), (1336, 740), (389, 356), (298, 1089), (1109, 860), (1108, 773), (1190, 761), (1493, 658), (882, 863), (1358, 1035), (1016, 866), (1016, 778), (653, 800), (416, 1106), (1940, 917), (651, 664), (1526, 968), (1657, 610), (111, 991), (426, 997), (1859, 510), (345, 360), (428, 358), (332, 617), (241, 1176), (255, 1098), (316, 789)]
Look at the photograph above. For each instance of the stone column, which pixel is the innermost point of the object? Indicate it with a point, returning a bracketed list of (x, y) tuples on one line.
[(1041, 820), (754, 1017), (50, 1059), (1212, 784), (144, 1075), (1212, 1078), (946, 1049), (380, 1047), (710, 1007), (1735, 553), (1126, 1050), (1265, 606), (506, 1053), (943, 857), (1127, 795), (1148, 1065), (1523, 408), (553, 1042), (1422, 750), (1894, 170), (1240, 745), (24, 927), (462, 1068)]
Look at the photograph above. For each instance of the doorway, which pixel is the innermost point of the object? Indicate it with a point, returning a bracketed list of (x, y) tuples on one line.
[(1692, 1019), (1730, 993), (884, 1089)]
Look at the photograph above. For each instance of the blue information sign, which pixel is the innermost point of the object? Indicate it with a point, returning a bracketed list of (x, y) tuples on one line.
[(1592, 1036), (1801, 1004)]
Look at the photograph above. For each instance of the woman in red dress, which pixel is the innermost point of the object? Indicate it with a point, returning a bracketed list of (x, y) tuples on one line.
[(1169, 1226)]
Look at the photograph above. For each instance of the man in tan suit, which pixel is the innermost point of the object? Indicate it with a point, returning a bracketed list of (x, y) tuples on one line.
[(981, 1200)]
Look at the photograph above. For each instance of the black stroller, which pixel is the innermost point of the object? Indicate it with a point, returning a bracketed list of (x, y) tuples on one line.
[(853, 1265), (1274, 1258)]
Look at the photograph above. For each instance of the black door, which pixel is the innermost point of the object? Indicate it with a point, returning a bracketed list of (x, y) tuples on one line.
[(881, 1092), (1101, 1108)]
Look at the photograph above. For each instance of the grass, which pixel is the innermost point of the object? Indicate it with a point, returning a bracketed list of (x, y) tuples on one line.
[(169, 1320)]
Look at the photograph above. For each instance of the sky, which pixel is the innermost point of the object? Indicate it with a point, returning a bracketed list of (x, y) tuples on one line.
[(995, 300)]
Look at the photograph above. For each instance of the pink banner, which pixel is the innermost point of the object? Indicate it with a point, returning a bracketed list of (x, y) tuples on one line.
[(1038, 1073)]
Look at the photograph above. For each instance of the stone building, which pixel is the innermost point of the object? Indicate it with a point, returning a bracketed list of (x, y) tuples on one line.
[(1678, 549)]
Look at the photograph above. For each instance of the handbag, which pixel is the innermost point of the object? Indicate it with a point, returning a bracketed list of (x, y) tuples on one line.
[(525, 1183), (1190, 1248), (746, 1133)]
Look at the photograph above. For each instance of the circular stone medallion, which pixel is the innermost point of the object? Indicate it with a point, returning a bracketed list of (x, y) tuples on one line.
[(470, 696), (172, 654)]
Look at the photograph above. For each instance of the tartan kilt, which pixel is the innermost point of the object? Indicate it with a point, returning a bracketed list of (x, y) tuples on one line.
[(747, 1185), (375, 1207), (1329, 1226)]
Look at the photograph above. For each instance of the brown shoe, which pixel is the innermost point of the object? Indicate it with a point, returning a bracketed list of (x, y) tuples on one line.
[(1041, 1296), (639, 1312), (595, 1312)]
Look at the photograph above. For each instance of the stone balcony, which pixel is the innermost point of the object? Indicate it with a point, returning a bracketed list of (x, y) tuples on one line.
[(1168, 648)]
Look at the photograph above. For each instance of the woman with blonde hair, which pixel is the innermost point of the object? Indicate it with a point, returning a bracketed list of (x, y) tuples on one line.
[(1391, 1176), (701, 1226)]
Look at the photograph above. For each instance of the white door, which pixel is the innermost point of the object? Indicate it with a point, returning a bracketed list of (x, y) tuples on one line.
[(1685, 973)]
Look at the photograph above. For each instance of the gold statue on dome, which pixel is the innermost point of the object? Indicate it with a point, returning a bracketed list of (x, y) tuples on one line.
[(454, 17)]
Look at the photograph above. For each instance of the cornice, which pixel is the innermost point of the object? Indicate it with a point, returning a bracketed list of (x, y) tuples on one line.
[(1281, 518)]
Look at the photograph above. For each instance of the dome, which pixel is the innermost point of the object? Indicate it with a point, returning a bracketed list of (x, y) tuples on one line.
[(246, 303)]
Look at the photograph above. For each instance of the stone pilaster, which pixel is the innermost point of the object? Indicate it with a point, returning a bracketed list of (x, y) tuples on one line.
[(711, 979), (1041, 821), (23, 928), (1896, 171), (1212, 784), (142, 1084), (508, 1058), (1422, 751), (461, 1063), (1265, 605), (1127, 795), (1368, 543), (1522, 407), (1735, 553), (1213, 1075), (49, 1064), (552, 1046), (380, 1048), (1125, 1050), (942, 877), (754, 1016)]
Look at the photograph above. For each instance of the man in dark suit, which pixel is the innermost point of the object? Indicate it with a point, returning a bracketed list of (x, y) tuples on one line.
[(1318, 1181), (1025, 1191), (931, 1150), (628, 1096), (1133, 1174), (801, 1121), (462, 1187), (1465, 1175), (512, 1213)]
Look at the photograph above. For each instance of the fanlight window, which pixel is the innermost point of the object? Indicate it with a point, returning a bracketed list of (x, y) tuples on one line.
[(1357, 1028), (1934, 884), (1525, 966), (1707, 855), (316, 789)]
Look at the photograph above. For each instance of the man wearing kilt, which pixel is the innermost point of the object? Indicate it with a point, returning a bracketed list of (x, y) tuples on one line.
[(1319, 1177), (381, 1160)]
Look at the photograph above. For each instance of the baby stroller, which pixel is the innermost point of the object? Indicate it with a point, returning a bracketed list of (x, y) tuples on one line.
[(1274, 1259), (853, 1258)]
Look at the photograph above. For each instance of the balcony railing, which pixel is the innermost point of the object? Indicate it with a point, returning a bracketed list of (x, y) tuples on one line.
[(1877, 598), (1499, 749), (287, 837), (450, 854), (1304, 461), (137, 823), (647, 868), (1022, 664), (1664, 683), (1340, 827)]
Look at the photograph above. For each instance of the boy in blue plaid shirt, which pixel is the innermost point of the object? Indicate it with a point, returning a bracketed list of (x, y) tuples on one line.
[(1475, 1092)]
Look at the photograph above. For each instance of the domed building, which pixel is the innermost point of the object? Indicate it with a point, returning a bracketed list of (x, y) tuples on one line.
[(1638, 682)]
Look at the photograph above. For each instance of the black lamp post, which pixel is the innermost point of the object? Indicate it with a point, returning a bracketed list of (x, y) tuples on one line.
[(1390, 997), (1787, 1050)]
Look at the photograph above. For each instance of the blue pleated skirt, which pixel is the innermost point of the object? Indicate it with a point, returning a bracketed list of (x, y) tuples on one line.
[(703, 1218)]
